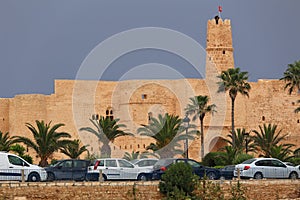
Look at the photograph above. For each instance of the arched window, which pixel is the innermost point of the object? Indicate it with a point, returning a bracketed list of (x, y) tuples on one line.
[(109, 113)]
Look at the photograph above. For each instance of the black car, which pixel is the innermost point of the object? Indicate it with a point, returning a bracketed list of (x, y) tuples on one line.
[(69, 169), (162, 165), (227, 172)]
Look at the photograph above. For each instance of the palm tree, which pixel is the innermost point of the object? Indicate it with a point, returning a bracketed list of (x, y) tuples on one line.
[(131, 156), (229, 155), (167, 132), (74, 149), (5, 141), (45, 141), (282, 152), (241, 142), (235, 82), (107, 130), (267, 138), (292, 77), (199, 108)]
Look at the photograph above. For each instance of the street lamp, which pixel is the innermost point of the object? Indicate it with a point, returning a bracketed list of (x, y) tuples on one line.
[(186, 123), (246, 135)]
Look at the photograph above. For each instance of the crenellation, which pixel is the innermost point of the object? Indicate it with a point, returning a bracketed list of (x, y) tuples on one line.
[(75, 101)]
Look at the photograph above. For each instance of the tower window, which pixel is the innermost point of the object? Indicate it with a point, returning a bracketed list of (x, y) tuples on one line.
[(263, 118), (224, 52), (298, 121), (144, 96)]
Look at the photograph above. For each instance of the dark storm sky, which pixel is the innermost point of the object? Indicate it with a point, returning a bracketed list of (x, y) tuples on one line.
[(41, 41)]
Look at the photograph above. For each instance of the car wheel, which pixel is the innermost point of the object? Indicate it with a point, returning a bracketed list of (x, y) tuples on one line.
[(211, 176), (34, 177), (50, 177), (142, 177), (258, 175), (293, 175)]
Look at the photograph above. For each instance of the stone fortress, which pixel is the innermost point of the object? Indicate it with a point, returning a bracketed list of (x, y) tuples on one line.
[(134, 101)]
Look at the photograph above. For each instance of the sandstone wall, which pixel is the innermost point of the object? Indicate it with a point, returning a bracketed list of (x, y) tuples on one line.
[(253, 190)]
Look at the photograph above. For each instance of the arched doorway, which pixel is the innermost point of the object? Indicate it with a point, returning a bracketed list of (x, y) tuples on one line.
[(216, 144)]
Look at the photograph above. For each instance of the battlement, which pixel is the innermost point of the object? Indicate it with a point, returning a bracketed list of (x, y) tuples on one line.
[(220, 22)]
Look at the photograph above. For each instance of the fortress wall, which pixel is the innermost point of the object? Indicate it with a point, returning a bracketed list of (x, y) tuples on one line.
[(4, 115), (26, 109)]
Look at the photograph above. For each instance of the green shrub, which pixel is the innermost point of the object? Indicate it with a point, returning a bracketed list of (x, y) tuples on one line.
[(214, 159), (178, 182), (241, 158), (295, 160)]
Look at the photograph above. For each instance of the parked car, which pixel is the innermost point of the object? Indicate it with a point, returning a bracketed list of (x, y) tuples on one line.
[(68, 169), (162, 165), (227, 172), (11, 167), (259, 168), (146, 163), (118, 169)]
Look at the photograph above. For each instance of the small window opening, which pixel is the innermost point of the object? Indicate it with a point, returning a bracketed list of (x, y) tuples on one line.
[(144, 146), (144, 96), (298, 121), (223, 51), (138, 146), (263, 118)]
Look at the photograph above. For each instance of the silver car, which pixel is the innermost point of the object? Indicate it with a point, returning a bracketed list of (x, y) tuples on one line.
[(259, 168), (119, 169)]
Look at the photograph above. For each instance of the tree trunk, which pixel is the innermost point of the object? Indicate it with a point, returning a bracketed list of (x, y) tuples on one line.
[(232, 122), (105, 150), (43, 162), (202, 138)]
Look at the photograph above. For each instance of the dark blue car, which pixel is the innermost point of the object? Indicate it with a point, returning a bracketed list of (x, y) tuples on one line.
[(227, 172), (162, 165), (69, 169)]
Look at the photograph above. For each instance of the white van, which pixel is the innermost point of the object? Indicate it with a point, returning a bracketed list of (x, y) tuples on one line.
[(11, 169)]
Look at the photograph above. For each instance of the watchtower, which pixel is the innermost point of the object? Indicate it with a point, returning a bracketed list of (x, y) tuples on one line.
[(219, 45)]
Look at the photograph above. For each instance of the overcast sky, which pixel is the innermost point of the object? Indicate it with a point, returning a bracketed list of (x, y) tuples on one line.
[(41, 41)]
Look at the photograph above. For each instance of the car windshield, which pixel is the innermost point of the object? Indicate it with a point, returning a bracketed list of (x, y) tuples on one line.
[(249, 161)]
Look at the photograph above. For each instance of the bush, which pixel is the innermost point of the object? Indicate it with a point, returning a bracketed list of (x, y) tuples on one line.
[(241, 158), (214, 159), (178, 182)]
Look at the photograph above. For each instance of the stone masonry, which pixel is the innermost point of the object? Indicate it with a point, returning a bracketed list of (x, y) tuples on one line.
[(75, 101)]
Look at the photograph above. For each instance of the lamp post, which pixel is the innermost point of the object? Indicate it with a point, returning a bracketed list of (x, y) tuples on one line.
[(186, 123), (246, 135)]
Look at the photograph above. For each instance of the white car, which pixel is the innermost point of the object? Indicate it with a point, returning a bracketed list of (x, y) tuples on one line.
[(146, 163), (118, 169), (11, 167), (259, 168)]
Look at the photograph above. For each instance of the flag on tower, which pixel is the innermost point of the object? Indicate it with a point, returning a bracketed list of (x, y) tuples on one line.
[(220, 8)]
